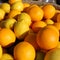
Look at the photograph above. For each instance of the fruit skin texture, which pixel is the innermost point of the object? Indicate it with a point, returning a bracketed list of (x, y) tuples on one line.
[(49, 11), (21, 29), (2, 14), (7, 37), (25, 17), (13, 1), (35, 12), (24, 51), (48, 38), (18, 6), (53, 54), (6, 56), (1, 51), (5, 7)]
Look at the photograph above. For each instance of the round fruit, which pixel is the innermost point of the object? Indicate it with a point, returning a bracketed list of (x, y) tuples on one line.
[(25, 17), (7, 37), (48, 38), (53, 54), (5, 7), (2, 14), (35, 12), (31, 38), (13, 1), (38, 25), (58, 18), (6, 56), (18, 6), (24, 51), (1, 51), (21, 29), (49, 11)]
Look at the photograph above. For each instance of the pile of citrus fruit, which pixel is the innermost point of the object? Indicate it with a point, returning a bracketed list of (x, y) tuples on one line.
[(29, 31)]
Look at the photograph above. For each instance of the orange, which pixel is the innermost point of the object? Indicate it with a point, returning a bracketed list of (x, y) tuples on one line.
[(53, 54), (13, 13), (57, 25), (31, 38), (24, 51), (13, 1), (7, 37), (36, 26), (58, 45), (58, 18), (35, 12), (49, 21), (48, 38), (49, 11)]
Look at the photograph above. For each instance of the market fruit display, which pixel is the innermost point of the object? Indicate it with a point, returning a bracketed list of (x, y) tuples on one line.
[(29, 31)]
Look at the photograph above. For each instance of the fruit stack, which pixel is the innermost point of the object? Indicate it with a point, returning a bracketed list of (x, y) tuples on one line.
[(29, 31)]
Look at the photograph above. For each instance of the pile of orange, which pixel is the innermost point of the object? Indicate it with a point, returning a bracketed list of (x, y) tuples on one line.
[(29, 31)]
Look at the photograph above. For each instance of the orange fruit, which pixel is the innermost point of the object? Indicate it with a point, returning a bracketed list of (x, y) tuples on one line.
[(35, 12), (24, 51), (36, 26), (49, 11), (53, 54), (48, 38), (13, 13), (57, 25), (49, 21), (58, 45), (7, 37), (58, 18), (31, 38), (13, 1)]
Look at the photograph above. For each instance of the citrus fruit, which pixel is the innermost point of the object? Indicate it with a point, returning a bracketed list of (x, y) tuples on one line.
[(48, 38), (2, 14), (5, 7), (58, 18), (1, 51), (31, 38), (18, 6), (24, 51), (6, 56), (36, 26), (13, 1), (35, 12), (13, 13), (21, 29), (25, 17), (7, 37), (58, 45), (49, 11), (49, 21), (53, 54)]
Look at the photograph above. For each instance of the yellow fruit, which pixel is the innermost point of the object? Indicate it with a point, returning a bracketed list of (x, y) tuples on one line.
[(53, 54), (25, 17), (58, 46), (21, 29), (5, 7), (49, 11), (13, 1), (7, 37), (24, 51), (6, 56), (18, 6), (2, 14), (1, 51), (49, 21)]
